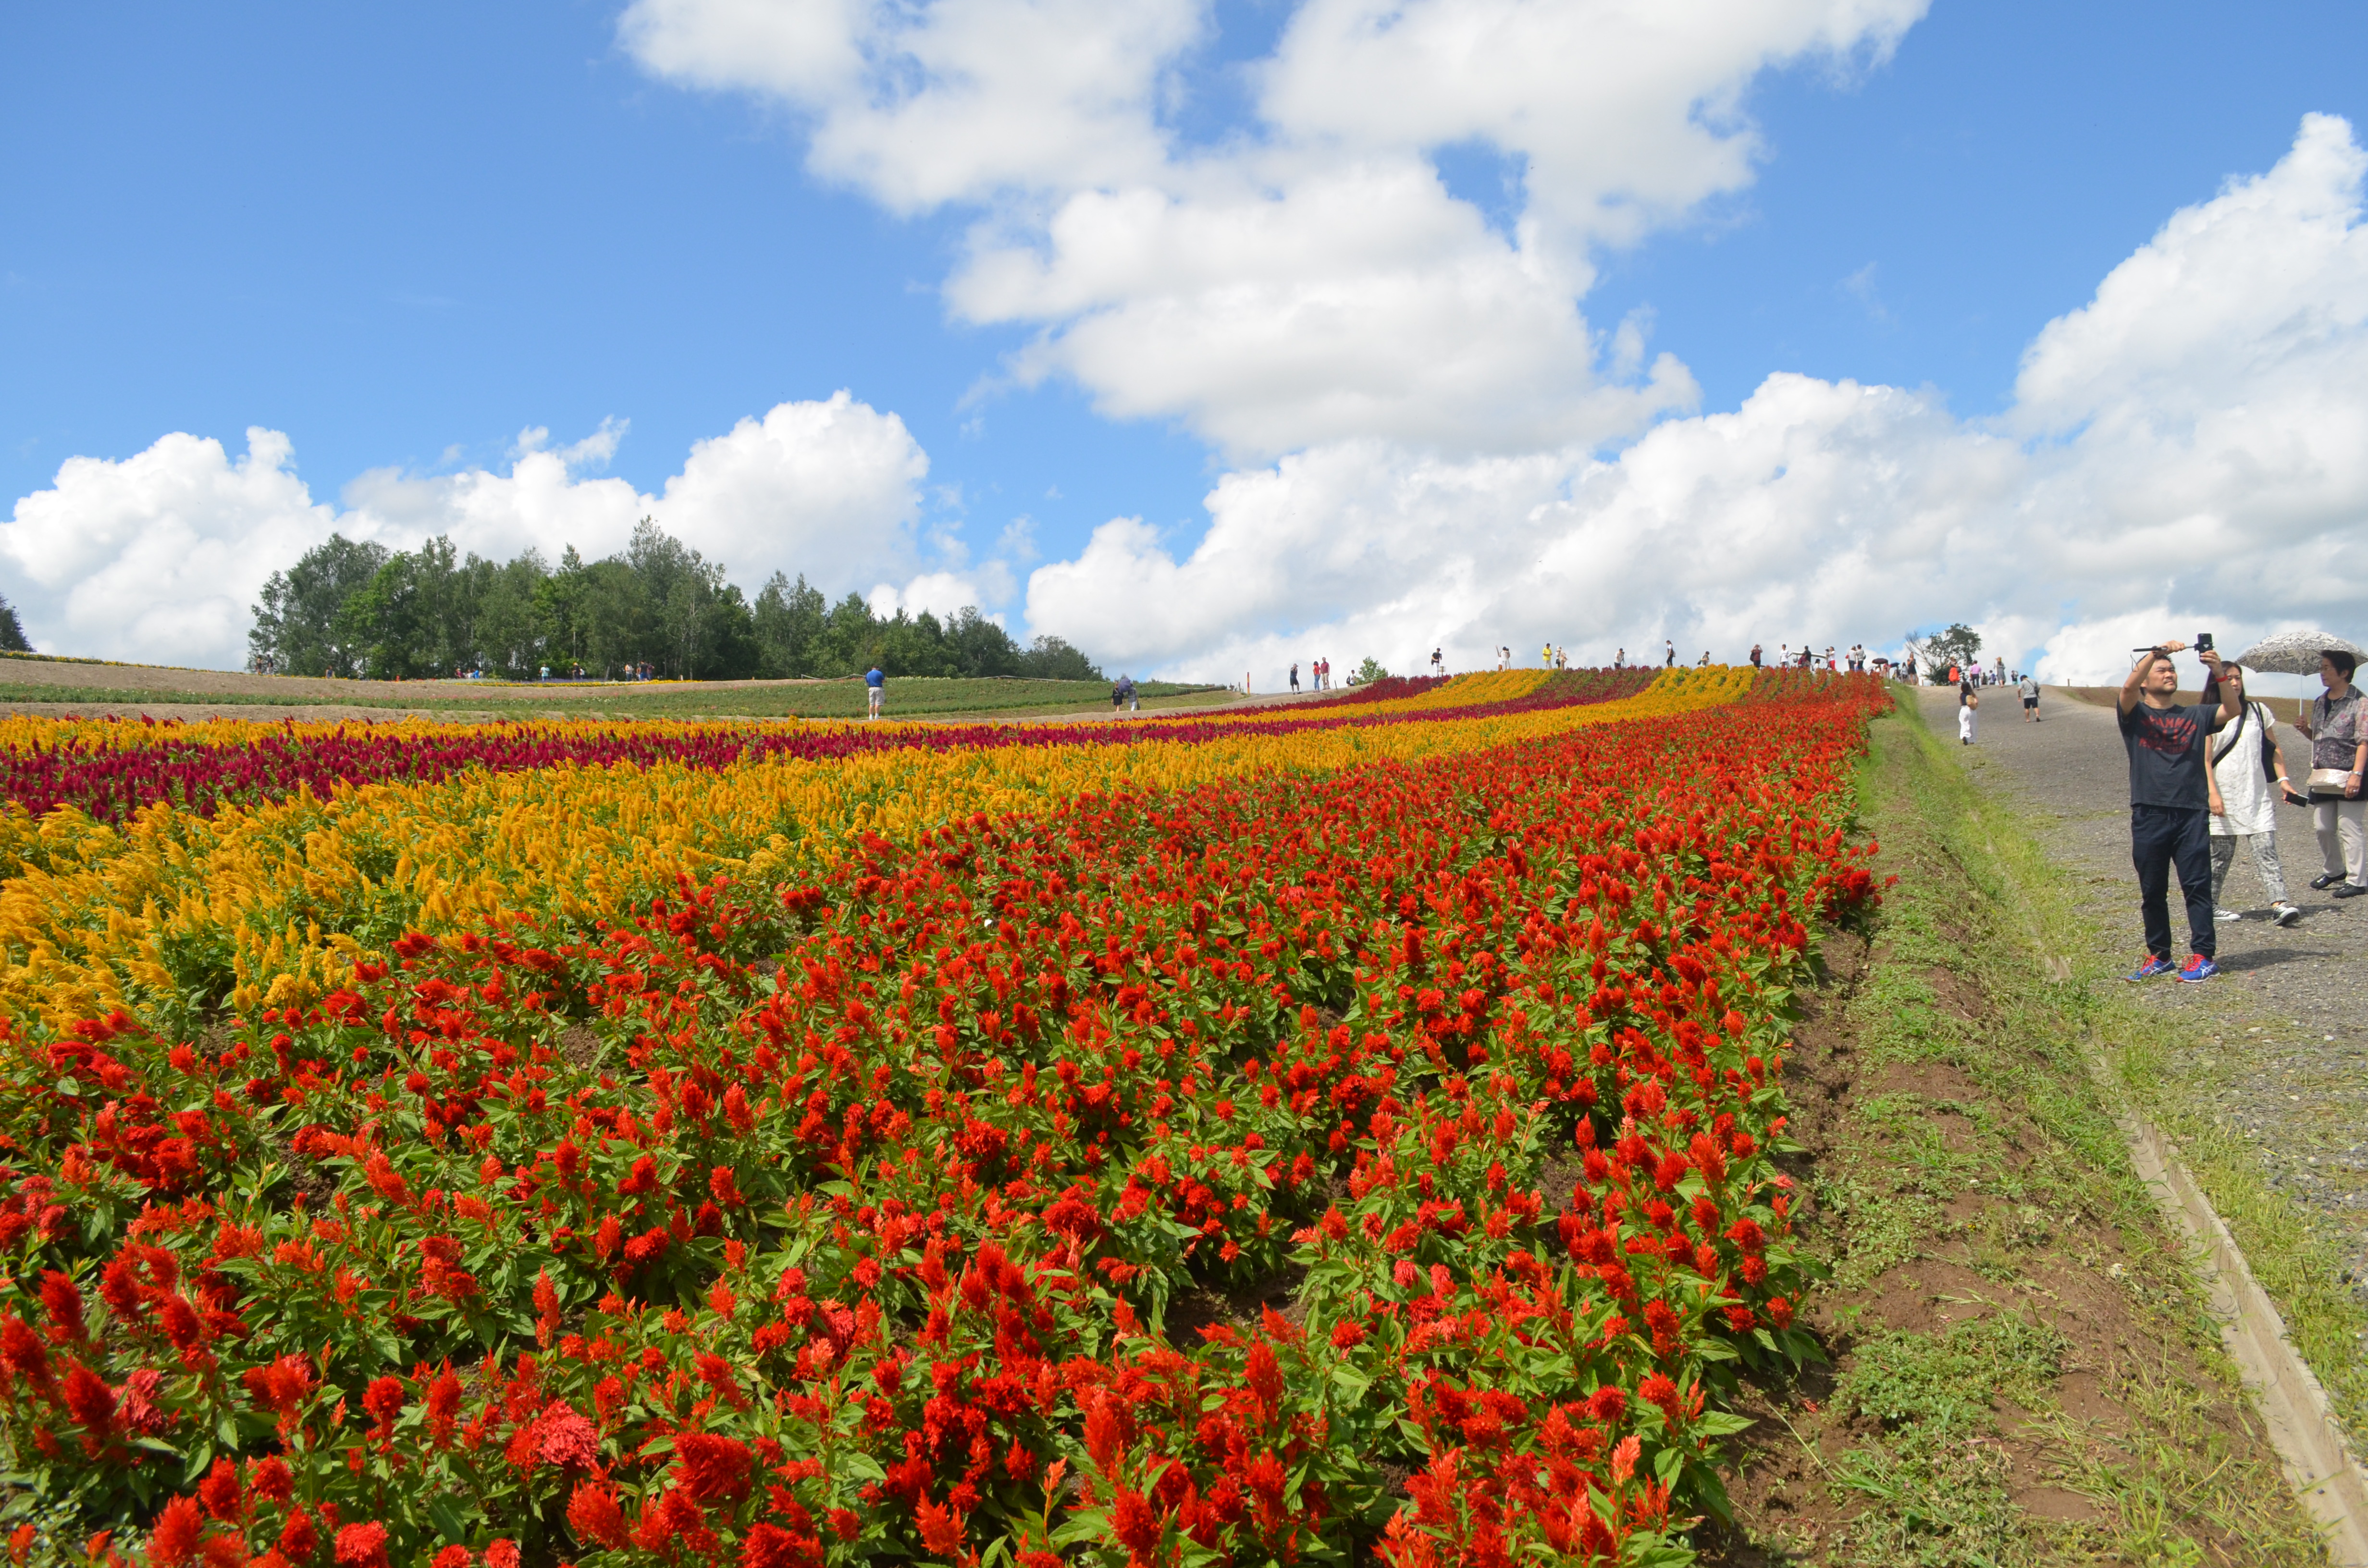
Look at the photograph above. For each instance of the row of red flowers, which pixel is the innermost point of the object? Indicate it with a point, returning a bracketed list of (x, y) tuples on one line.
[(111, 781), (1161, 1180)]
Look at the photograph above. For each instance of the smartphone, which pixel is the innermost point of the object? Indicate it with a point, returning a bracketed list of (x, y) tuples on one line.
[(2204, 642)]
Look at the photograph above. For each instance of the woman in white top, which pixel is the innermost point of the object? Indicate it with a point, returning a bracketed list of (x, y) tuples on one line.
[(2243, 808)]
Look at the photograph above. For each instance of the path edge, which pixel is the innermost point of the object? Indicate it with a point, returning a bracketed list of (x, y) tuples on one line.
[(2318, 1462)]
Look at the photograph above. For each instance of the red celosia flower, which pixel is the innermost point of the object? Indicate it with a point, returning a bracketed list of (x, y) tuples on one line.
[(564, 1438), (182, 1325), (178, 1533), (941, 1529), (384, 1400), (454, 1556), (24, 1353), (502, 1552), (219, 1491), (770, 1546), (443, 1406), (709, 1468), (89, 1400), (299, 1538), (594, 1516), (281, 1386), (270, 1478), (1607, 1405), (1134, 1521), (1264, 1375), (1105, 1434), (363, 1546), (62, 1299)]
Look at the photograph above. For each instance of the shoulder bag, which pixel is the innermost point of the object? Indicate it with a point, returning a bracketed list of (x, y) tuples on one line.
[(2325, 782)]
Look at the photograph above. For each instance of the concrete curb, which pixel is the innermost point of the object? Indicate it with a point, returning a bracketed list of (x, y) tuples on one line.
[(2292, 1404)]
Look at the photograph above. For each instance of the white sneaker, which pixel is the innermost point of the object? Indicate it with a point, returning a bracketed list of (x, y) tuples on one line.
[(2284, 914), (2225, 914)]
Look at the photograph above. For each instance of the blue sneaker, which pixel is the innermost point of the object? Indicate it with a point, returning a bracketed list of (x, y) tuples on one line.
[(2198, 967), (2154, 964)]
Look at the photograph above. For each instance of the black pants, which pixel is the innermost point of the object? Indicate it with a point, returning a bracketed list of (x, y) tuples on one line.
[(2160, 837)]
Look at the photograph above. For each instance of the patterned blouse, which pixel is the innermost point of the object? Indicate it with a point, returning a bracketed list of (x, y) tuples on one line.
[(2337, 730)]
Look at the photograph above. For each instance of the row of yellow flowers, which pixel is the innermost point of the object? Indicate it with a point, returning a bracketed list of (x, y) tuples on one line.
[(267, 904)]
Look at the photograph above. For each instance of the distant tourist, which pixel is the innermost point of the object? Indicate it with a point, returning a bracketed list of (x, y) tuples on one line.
[(1754, 656), (2243, 755), (1669, 654), (1438, 664), (875, 688), (2170, 802), (1620, 660), (1968, 701), (2029, 686), (2338, 729), (1294, 677)]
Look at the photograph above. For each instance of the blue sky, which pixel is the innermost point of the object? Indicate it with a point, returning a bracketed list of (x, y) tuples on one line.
[(402, 237)]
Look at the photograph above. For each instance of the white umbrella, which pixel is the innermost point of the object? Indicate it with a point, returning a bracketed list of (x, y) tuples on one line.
[(2296, 652)]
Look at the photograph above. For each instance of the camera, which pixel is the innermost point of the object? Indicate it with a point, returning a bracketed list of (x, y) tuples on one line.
[(2204, 642)]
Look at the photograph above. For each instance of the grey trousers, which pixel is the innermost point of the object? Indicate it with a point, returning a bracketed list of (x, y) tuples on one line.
[(2265, 861), (2341, 843)]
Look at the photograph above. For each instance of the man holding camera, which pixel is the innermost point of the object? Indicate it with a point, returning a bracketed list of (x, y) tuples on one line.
[(2170, 799)]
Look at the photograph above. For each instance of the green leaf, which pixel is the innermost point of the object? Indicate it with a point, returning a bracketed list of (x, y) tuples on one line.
[(1723, 1423), (447, 1520)]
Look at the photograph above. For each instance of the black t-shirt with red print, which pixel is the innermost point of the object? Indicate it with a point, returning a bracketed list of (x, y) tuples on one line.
[(2167, 748)]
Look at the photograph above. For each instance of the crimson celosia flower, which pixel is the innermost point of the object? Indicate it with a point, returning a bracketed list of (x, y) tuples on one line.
[(88, 1399), (62, 1299), (180, 1528), (1134, 1521), (941, 1529), (594, 1516), (363, 1546), (711, 1469)]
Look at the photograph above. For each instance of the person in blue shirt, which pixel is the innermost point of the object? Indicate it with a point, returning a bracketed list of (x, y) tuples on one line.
[(876, 685)]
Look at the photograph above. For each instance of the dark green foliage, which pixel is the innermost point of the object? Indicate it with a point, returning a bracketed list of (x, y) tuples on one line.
[(353, 609), (12, 631), (296, 629)]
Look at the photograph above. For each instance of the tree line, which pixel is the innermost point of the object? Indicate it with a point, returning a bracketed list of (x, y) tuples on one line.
[(354, 608)]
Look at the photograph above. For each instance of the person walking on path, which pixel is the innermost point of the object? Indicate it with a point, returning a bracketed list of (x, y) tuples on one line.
[(2337, 731), (2029, 687), (1294, 678), (1438, 664), (2170, 802), (1754, 656), (1968, 701), (1669, 654), (875, 687), (2243, 755)]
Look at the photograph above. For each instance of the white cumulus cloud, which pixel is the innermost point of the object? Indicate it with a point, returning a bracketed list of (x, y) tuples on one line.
[(2152, 473), (1306, 276), (158, 557)]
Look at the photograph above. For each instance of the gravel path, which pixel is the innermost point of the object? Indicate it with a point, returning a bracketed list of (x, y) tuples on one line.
[(2281, 1039)]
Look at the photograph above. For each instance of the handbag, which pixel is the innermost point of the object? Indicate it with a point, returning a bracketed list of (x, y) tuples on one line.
[(2325, 782)]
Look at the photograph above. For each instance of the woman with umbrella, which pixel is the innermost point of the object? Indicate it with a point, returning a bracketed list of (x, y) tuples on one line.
[(2337, 724)]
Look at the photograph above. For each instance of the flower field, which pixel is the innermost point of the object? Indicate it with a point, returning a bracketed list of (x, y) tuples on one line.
[(1260, 1139)]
